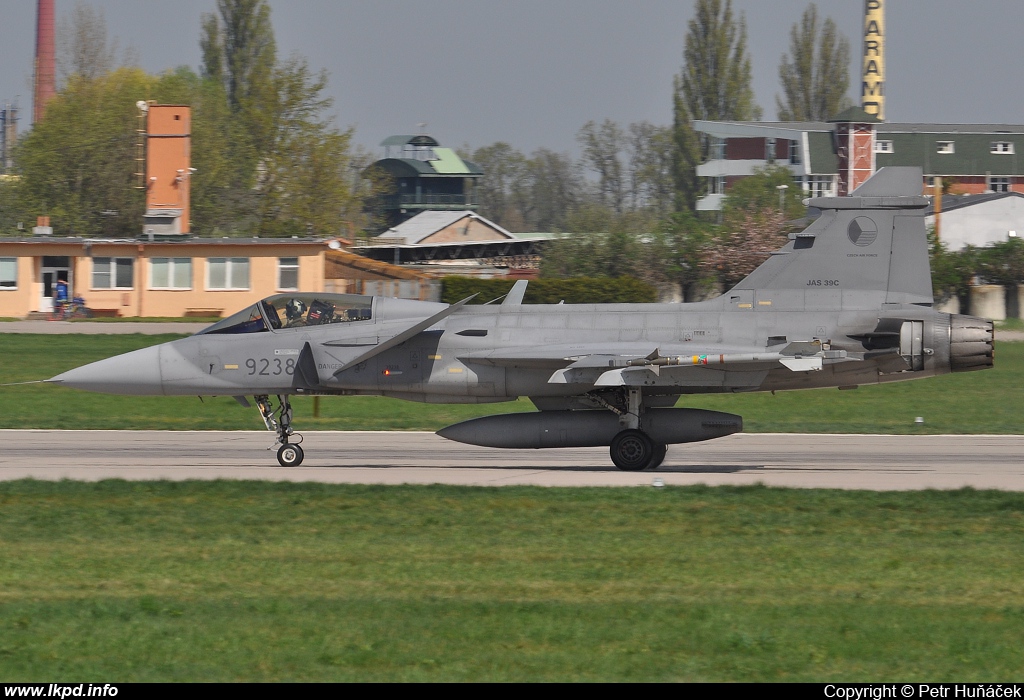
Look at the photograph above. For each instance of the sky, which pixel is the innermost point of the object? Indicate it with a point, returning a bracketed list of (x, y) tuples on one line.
[(532, 72)]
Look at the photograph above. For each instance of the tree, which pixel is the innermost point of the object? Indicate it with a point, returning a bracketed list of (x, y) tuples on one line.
[(504, 170), (78, 163), (288, 169), (952, 272), (685, 154), (734, 255), (211, 44), (551, 189), (1002, 262), (716, 81), (815, 80), (303, 179), (601, 146), (714, 84), (649, 150), (239, 48), (240, 52), (83, 47), (677, 252), (760, 193)]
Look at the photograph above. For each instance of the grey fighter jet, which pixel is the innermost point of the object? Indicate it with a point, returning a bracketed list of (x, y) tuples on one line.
[(844, 303)]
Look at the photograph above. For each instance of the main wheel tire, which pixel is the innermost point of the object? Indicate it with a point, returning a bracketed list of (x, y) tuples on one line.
[(658, 457), (632, 450), (290, 455)]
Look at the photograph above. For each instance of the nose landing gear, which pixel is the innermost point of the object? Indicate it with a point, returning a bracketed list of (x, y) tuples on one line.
[(290, 455), (280, 421)]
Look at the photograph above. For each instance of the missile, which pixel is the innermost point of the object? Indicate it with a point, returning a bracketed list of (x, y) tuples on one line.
[(597, 428)]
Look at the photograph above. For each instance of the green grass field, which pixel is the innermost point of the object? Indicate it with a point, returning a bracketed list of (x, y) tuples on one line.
[(228, 581), (991, 401)]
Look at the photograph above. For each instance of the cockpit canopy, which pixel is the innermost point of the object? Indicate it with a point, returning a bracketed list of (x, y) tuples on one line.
[(284, 311)]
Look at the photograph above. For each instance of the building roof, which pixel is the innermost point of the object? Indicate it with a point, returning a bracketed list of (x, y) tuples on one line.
[(821, 154), (954, 202), (790, 130), (340, 258), (855, 115), (990, 129), (445, 164), (754, 129), (428, 223), (407, 140)]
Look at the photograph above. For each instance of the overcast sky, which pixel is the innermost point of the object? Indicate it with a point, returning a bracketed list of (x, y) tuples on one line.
[(531, 72)]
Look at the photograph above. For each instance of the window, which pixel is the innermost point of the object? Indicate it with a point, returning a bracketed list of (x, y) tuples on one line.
[(8, 273), (819, 186), (112, 273), (1002, 147), (288, 273), (716, 149), (170, 273), (769, 150), (227, 273), (716, 185), (794, 152), (884, 147), (945, 147), (999, 184)]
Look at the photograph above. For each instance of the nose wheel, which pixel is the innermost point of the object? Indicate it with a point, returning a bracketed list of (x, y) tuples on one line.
[(279, 420), (290, 455)]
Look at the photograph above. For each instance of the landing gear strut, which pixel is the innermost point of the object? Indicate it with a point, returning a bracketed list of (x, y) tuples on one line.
[(280, 421)]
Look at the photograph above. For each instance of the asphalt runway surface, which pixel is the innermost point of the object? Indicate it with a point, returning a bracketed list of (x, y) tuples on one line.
[(872, 462)]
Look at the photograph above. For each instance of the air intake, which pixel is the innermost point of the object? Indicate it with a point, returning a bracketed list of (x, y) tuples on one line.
[(970, 343)]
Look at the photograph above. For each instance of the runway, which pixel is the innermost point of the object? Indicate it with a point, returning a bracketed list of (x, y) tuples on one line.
[(873, 462)]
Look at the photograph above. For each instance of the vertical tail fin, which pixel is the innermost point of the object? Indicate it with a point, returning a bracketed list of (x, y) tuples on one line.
[(866, 249)]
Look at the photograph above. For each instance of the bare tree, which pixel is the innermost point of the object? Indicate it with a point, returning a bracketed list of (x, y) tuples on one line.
[(504, 170), (553, 186), (84, 47), (601, 146)]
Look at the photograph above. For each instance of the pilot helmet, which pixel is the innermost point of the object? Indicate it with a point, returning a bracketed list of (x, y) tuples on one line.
[(294, 308)]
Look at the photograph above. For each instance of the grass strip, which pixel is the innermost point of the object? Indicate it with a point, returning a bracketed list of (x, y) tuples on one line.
[(224, 581)]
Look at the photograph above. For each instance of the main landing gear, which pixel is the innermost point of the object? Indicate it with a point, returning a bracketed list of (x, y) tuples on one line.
[(280, 421), (633, 450)]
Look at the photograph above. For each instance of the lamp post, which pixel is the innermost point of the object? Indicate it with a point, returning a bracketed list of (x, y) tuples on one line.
[(782, 197)]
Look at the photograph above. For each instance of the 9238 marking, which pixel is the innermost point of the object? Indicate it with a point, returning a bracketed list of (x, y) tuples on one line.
[(270, 368)]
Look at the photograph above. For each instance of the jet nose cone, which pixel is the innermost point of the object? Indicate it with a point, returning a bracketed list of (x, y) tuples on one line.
[(135, 373)]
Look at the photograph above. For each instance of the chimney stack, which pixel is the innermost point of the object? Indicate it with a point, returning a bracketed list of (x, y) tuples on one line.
[(46, 55)]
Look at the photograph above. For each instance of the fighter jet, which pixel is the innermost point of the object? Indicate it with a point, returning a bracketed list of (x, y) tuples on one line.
[(846, 302)]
